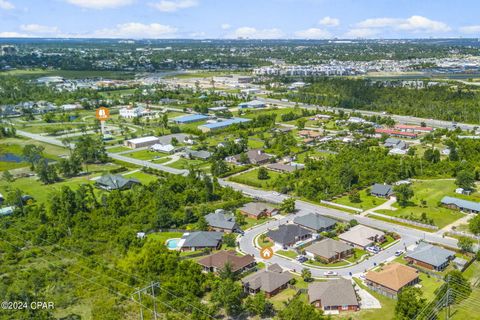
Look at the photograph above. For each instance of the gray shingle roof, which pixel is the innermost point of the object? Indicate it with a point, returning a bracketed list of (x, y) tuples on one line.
[(315, 221), (430, 254), (381, 189), (202, 239), (338, 292), (287, 233), (114, 182), (267, 280), (462, 204), (220, 219), (328, 248)]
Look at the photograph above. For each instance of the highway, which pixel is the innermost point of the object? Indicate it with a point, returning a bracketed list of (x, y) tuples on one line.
[(398, 118)]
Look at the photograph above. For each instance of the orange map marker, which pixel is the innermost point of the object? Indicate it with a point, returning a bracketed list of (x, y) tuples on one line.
[(266, 253)]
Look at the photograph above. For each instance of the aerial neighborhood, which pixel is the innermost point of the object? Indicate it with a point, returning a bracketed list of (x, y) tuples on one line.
[(241, 180)]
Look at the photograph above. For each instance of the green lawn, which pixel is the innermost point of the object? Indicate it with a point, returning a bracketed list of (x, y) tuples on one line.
[(432, 192), (429, 285), (187, 164), (250, 222), (118, 149), (287, 253), (143, 177), (145, 154), (161, 160), (251, 178), (367, 201)]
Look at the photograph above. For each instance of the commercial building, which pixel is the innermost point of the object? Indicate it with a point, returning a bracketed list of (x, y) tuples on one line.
[(190, 118), (221, 124), (141, 142)]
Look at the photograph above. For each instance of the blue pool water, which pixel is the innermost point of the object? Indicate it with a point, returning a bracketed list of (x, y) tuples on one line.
[(172, 244), (10, 157)]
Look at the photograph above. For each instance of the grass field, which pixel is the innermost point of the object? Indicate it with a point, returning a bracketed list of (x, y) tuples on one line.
[(287, 253), (33, 73), (144, 154), (431, 191), (162, 237), (187, 164), (251, 178), (385, 313), (142, 177), (367, 201), (118, 149)]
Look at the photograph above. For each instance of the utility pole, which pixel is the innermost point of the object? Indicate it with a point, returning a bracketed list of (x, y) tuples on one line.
[(447, 309), (151, 286)]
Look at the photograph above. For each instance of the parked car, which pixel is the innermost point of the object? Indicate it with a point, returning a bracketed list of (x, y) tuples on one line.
[(399, 253), (302, 259), (330, 273), (373, 249)]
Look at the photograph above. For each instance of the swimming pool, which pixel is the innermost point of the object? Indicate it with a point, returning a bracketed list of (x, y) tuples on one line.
[(172, 244)]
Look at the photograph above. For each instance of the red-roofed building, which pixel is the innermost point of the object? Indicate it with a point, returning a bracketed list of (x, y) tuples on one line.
[(396, 133)]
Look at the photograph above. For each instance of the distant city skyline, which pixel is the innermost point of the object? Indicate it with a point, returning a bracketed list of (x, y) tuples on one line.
[(229, 19)]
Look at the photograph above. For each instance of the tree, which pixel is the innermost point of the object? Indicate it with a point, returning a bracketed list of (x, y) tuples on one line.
[(306, 275), (263, 174), (219, 168), (409, 303), (244, 158), (353, 223), (288, 205), (226, 272), (465, 243), (229, 240), (258, 305), (403, 193), (474, 225), (7, 176), (228, 295), (301, 123), (46, 173), (32, 153), (297, 309), (354, 196), (465, 179), (459, 286)]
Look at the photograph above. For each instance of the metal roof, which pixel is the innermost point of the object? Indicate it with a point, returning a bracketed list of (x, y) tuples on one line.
[(462, 204)]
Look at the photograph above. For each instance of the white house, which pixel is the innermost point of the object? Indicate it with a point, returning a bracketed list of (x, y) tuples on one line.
[(129, 112)]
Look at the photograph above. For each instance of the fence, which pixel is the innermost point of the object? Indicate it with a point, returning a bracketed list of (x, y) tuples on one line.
[(464, 234), (411, 222)]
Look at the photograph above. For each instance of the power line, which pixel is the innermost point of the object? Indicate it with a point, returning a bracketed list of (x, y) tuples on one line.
[(121, 271), (99, 274)]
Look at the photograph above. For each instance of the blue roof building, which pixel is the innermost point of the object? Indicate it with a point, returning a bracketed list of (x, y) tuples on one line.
[(221, 124), (460, 204), (190, 118)]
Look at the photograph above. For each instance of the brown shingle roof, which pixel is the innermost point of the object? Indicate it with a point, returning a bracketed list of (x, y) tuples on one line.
[(394, 276), (219, 259)]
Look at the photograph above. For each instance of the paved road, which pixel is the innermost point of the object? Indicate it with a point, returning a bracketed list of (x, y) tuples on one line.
[(397, 118), (409, 236)]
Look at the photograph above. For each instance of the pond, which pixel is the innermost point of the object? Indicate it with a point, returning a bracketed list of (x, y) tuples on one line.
[(11, 157)]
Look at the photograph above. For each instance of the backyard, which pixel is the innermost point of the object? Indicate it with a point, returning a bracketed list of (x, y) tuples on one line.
[(430, 192), (251, 178), (366, 201)]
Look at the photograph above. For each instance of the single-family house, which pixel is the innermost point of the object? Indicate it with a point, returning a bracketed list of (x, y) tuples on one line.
[(217, 261), (391, 279), (111, 182), (254, 156), (362, 236), (430, 257), (222, 221), (315, 222), (288, 235), (381, 190), (329, 250), (395, 144), (284, 168), (460, 204), (333, 296), (270, 280), (198, 154), (198, 240), (258, 210)]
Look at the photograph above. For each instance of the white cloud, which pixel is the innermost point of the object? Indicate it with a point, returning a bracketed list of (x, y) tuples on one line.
[(361, 33), (39, 29), (174, 5), (470, 29), (6, 5), (225, 26), (329, 21), (8, 34), (253, 33), (313, 33), (414, 24), (136, 30), (100, 4)]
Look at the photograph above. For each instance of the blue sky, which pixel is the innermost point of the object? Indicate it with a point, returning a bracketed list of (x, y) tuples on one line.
[(255, 19)]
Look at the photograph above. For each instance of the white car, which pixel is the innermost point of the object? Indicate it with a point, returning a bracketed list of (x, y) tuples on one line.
[(330, 273), (399, 253)]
